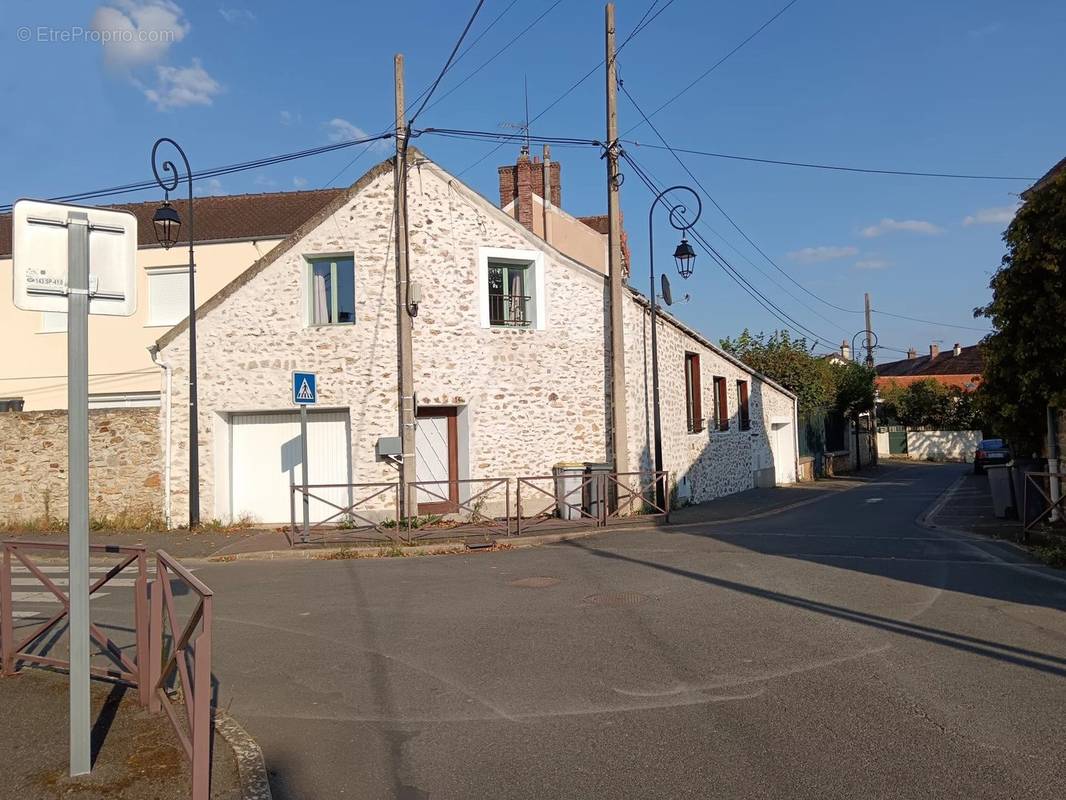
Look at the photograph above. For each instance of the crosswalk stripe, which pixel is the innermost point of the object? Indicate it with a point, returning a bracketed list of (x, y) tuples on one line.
[(114, 583), (49, 569), (44, 597), (26, 614)]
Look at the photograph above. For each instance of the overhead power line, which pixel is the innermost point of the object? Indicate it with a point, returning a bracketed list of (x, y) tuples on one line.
[(835, 167), (448, 63), (934, 323), (718, 63)]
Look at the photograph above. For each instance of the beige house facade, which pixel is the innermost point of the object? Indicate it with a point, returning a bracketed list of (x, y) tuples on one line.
[(510, 359), (232, 233)]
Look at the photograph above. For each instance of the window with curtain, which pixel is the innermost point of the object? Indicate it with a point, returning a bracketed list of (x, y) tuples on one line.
[(332, 291), (693, 393), (510, 294)]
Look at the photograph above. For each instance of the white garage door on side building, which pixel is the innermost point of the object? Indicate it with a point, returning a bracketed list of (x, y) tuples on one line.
[(265, 461)]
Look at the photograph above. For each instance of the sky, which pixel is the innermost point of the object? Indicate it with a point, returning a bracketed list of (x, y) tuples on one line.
[(954, 86)]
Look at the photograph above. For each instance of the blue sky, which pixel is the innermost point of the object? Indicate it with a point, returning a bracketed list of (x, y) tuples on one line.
[(953, 86)]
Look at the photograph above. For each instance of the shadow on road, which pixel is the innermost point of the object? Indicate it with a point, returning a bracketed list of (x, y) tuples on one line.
[(1018, 656)]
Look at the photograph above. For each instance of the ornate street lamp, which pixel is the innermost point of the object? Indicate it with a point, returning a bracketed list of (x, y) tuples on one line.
[(167, 223), (684, 255)]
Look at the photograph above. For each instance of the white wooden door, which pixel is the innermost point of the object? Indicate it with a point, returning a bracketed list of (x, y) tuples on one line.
[(265, 453), (435, 460)]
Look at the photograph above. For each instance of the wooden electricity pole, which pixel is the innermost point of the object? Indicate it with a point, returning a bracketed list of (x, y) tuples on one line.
[(404, 355), (619, 439)]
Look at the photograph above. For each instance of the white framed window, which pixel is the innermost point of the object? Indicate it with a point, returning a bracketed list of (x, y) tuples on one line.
[(511, 289), (331, 290), (168, 296), (124, 400), (53, 322)]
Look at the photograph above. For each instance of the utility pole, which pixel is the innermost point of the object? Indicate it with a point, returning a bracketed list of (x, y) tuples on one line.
[(404, 355), (619, 440), (869, 334)]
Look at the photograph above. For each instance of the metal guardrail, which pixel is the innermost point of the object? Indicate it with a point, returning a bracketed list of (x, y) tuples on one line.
[(1050, 504), (195, 689), (343, 522), (132, 671), (563, 510), (627, 496), (473, 505)]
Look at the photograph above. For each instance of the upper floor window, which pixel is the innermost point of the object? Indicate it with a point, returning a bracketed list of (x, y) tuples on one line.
[(511, 288), (168, 295), (331, 291), (742, 401), (693, 393), (721, 404)]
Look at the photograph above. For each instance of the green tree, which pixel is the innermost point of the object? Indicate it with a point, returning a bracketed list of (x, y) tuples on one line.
[(853, 388), (1025, 356), (787, 361)]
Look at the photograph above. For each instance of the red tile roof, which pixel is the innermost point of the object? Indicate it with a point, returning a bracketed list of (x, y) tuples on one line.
[(968, 362), (238, 216)]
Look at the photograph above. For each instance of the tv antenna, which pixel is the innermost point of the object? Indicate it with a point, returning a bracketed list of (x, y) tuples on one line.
[(519, 126)]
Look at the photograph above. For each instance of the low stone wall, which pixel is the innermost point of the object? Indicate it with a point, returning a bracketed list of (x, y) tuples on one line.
[(125, 465), (806, 469)]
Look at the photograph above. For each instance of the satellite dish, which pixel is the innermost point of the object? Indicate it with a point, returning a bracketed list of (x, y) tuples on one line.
[(668, 298)]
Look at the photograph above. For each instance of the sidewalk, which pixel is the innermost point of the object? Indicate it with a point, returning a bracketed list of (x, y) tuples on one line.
[(968, 507)]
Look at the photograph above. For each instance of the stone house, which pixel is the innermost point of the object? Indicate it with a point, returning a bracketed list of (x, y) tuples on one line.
[(509, 351)]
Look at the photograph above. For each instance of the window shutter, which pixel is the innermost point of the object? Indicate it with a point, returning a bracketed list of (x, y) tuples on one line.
[(168, 296)]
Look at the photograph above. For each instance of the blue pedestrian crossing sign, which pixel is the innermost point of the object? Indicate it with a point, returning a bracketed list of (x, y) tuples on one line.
[(304, 388)]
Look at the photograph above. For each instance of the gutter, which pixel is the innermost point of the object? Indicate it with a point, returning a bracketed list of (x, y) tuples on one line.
[(153, 351)]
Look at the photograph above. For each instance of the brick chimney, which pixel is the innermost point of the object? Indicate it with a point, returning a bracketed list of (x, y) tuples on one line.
[(520, 182), (845, 351), (957, 349), (934, 350), (911, 353)]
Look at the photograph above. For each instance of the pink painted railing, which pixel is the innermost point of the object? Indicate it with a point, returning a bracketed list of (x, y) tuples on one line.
[(130, 669), (190, 642)]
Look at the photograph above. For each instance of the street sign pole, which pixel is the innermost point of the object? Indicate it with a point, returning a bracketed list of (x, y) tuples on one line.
[(78, 491), (303, 460)]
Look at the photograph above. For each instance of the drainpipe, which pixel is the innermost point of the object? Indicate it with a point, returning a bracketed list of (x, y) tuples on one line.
[(796, 438), (153, 351), (1053, 460)]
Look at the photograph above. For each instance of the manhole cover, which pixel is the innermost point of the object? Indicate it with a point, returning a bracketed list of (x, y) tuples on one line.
[(617, 599), (536, 582)]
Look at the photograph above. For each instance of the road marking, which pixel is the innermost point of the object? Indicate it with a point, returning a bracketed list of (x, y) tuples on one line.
[(875, 500), (44, 597), (114, 583), (27, 614)]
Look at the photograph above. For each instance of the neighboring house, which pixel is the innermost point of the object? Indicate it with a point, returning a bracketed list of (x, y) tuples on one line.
[(231, 233), (960, 366), (510, 358)]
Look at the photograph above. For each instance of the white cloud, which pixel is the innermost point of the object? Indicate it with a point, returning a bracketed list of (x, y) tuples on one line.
[(263, 180), (235, 15), (299, 182), (872, 263), (289, 118), (812, 255), (341, 130), (177, 87), (888, 225), (210, 186), (138, 32), (991, 216)]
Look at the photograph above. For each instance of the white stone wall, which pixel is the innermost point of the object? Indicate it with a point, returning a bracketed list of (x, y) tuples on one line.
[(532, 397), (529, 398), (710, 463)]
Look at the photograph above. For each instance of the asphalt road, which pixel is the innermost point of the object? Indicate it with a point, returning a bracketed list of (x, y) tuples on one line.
[(838, 650)]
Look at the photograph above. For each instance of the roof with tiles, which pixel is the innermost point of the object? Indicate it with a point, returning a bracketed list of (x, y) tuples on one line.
[(226, 217), (968, 362)]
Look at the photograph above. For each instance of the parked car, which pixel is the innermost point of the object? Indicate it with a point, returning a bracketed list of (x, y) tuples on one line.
[(990, 452)]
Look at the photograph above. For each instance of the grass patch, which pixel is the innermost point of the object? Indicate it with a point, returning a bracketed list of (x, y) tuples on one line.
[(346, 553), (241, 523), (125, 522), (1054, 555)]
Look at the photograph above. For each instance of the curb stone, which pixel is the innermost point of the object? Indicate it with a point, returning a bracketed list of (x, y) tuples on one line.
[(251, 766)]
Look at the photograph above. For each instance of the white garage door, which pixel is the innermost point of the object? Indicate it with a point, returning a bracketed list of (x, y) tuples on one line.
[(265, 451)]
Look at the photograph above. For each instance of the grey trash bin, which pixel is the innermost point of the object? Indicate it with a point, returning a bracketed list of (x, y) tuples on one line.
[(999, 482), (594, 498), (568, 499)]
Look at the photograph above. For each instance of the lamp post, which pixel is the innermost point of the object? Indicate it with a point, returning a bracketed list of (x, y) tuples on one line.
[(167, 223), (684, 256)]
